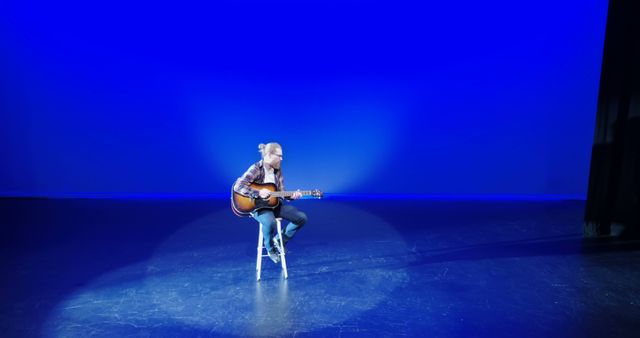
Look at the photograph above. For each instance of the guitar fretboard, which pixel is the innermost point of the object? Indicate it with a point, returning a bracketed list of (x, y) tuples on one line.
[(289, 193)]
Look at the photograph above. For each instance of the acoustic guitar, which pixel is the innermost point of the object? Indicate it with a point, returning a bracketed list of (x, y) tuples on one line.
[(243, 205)]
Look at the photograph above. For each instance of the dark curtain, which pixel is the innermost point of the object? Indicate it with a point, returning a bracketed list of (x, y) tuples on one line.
[(613, 197)]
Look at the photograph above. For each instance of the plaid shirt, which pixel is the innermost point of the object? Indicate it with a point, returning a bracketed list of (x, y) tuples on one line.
[(255, 174)]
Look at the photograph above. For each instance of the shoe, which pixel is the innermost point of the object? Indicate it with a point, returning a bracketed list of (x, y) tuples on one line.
[(274, 256), (276, 244)]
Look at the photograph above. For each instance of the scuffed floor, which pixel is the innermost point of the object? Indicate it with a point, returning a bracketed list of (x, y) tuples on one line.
[(167, 268)]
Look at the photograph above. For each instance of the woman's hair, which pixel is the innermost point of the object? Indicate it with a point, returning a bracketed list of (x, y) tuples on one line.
[(268, 148)]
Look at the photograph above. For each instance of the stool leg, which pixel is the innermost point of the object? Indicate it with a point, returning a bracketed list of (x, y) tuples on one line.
[(259, 259), (282, 258)]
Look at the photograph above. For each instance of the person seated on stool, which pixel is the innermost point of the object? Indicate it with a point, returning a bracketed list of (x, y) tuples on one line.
[(268, 170)]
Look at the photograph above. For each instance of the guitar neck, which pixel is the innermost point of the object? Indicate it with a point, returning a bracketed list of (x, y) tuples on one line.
[(289, 193)]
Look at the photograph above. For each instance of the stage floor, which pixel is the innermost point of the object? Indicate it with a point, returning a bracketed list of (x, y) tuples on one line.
[(177, 267)]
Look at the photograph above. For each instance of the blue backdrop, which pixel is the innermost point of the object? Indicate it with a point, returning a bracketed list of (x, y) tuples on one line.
[(467, 97)]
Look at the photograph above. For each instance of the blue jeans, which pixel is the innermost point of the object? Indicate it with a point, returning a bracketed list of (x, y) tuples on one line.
[(267, 217)]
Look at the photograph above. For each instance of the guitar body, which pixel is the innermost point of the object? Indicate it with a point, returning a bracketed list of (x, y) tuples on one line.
[(243, 206)]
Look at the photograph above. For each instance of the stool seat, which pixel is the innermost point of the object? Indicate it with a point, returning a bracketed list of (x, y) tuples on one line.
[(261, 246)]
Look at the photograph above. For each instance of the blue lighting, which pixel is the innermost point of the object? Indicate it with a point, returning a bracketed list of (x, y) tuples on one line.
[(459, 98)]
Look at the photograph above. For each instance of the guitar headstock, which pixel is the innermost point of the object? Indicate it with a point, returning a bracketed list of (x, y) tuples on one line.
[(316, 193)]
